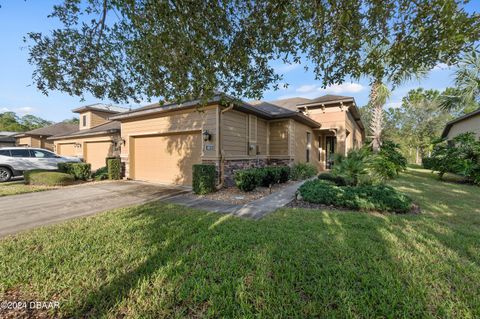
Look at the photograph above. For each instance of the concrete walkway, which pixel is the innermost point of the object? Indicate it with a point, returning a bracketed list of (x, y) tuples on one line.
[(25, 211), (268, 204), (254, 210)]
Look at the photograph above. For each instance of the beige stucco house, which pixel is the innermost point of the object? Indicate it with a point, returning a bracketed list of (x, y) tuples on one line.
[(467, 123), (39, 137), (160, 143), (95, 137)]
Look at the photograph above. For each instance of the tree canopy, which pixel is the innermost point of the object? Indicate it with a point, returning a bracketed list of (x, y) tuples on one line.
[(9, 121), (132, 50)]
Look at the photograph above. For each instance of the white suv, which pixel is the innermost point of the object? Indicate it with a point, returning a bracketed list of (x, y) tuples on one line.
[(15, 160)]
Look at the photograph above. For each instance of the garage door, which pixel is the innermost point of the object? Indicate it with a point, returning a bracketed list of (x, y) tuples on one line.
[(97, 152), (66, 149), (166, 159)]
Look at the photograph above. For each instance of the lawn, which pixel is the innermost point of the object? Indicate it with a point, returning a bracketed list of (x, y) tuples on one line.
[(161, 260), (19, 187)]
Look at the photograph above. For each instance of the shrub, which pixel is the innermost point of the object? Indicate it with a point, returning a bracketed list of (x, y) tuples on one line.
[(269, 175), (203, 178), (337, 180), (80, 171), (371, 197), (390, 152), (100, 174), (428, 162), (48, 178), (248, 179), (461, 156), (354, 168), (302, 171), (114, 168), (284, 173)]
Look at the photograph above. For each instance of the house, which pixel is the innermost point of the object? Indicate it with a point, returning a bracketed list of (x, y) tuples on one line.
[(467, 123), (39, 137), (7, 139), (95, 137), (160, 143)]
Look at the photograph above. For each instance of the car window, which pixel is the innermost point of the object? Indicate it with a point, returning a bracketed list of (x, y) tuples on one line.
[(20, 153), (5, 152), (41, 154)]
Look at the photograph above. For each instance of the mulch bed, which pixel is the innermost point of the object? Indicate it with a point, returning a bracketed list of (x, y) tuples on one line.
[(235, 196)]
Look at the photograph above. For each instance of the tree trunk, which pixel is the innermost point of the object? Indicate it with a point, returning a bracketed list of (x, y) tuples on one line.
[(376, 122)]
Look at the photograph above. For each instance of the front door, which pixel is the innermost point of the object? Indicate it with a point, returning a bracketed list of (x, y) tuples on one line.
[(330, 146)]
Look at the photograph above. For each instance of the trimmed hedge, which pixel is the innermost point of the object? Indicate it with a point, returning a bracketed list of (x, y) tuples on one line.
[(368, 198), (203, 178), (301, 171), (114, 168), (81, 171), (248, 179), (337, 180), (48, 178)]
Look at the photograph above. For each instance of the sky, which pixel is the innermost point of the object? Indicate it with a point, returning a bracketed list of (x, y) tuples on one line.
[(17, 93)]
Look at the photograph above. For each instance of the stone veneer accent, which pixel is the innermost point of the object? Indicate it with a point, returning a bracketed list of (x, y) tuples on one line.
[(125, 166), (231, 166)]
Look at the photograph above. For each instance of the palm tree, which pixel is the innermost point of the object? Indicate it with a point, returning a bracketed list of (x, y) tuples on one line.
[(467, 84), (379, 95)]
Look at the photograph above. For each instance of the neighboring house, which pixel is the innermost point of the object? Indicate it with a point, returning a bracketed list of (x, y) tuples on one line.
[(467, 123), (39, 137), (160, 143), (7, 139), (95, 137)]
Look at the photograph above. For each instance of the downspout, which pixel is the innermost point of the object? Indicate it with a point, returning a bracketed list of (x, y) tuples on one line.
[(222, 154)]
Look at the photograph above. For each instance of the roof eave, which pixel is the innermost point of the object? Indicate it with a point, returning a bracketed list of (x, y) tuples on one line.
[(59, 137), (325, 103)]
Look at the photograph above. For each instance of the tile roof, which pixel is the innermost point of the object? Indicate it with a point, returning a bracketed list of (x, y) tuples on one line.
[(108, 127), (54, 129), (290, 103)]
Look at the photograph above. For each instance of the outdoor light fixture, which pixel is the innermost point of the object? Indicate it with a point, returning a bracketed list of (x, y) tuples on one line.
[(206, 136)]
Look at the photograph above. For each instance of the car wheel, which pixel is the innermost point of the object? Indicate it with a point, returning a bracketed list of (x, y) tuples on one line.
[(5, 174)]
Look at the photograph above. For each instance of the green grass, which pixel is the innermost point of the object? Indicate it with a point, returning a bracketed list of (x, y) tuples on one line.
[(161, 260), (18, 187)]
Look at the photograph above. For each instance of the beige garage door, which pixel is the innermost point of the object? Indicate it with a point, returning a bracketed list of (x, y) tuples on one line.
[(66, 149), (166, 159), (97, 152)]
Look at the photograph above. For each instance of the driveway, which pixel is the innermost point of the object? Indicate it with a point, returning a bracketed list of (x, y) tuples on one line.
[(25, 211)]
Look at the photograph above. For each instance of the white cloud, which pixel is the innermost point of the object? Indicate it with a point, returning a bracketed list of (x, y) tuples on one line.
[(343, 88), (25, 110), (285, 68), (4, 109)]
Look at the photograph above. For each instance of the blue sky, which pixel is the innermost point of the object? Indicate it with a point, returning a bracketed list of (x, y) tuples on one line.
[(17, 94)]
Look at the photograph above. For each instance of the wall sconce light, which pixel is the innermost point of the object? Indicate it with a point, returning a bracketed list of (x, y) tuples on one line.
[(206, 136)]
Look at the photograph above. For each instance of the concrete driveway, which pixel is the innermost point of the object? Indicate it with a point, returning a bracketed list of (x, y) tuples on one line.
[(25, 211)]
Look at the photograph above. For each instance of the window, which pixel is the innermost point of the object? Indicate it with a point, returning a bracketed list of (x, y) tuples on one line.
[(41, 154), (84, 120), (5, 152), (20, 153), (309, 146)]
